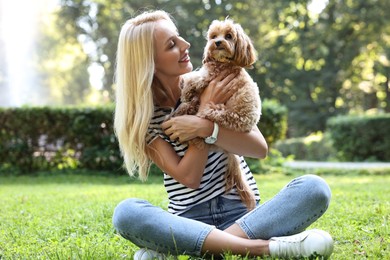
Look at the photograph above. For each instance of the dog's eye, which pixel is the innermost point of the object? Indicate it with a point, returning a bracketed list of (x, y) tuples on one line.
[(229, 36), (213, 36)]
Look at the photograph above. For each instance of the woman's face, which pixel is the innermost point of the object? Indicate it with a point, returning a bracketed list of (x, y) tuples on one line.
[(171, 51)]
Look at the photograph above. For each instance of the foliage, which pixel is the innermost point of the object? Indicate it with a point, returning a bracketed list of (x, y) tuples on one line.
[(361, 138), (44, 138), (273, 122), (61, 65), (272, 164), (69, 216), (313, 62), (41, 138), (315, 147), (317, 63)]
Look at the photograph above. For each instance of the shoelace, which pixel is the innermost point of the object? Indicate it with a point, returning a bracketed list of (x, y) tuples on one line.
[(290, 246)]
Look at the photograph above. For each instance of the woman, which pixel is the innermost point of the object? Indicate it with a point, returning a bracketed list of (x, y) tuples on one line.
[(203, 218)]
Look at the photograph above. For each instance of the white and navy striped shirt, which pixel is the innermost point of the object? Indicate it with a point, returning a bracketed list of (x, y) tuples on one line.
[(182, 198)]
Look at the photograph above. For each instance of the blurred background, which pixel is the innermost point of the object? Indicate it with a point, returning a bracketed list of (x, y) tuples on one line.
[(318, 58)]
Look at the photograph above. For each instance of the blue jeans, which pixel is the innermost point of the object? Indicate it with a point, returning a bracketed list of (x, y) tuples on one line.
[(292, 210)]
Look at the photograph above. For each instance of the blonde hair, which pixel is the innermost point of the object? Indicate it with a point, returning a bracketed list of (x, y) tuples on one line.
[(134, 97)]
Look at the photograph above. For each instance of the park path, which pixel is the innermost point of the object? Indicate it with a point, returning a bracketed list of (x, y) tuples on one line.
[(337, 165)]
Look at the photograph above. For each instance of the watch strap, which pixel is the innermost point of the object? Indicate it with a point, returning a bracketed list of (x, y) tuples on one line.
[(213, 138)]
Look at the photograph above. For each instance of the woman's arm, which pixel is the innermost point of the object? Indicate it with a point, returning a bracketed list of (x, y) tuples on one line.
[(249, 144), (187, 170)]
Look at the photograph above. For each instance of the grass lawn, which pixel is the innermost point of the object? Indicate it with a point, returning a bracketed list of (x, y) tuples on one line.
[(69, 216)]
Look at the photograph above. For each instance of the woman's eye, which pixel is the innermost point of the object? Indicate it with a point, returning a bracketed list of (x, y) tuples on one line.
[(171, 44)]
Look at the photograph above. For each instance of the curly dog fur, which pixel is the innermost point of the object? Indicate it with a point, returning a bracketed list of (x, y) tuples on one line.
[(228, 49)]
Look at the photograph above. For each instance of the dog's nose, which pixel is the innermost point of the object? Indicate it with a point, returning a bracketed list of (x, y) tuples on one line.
[(218, 43)]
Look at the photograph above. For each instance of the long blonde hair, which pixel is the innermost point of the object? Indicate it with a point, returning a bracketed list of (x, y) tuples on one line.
[(134, 97)]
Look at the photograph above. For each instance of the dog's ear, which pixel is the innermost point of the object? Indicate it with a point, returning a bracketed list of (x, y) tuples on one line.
[(206, 55), (245, 54)]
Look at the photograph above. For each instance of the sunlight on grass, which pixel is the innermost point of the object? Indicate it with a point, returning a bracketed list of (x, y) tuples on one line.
[(69, 216)]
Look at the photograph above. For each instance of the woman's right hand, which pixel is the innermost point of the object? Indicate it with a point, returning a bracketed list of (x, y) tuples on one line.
[(220, 89)]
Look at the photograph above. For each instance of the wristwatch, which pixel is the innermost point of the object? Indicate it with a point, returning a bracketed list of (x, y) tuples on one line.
[(213, 138)]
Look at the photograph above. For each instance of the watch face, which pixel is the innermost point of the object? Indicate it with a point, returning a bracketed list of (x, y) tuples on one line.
[(210, 140)]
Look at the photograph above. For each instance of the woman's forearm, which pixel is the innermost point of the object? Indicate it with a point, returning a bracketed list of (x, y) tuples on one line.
[(191, 167), (249, 144), (188, 170)]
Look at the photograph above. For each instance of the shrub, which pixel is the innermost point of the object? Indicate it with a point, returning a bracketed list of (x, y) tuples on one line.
[(273, 122), (315, 147), (273, 163), (41, 138), (361, 138)]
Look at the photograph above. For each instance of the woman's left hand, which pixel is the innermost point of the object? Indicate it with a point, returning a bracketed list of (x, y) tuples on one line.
[(186, 127)]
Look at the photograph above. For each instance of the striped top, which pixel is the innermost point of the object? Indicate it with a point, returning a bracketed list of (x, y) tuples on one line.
[(182, 198)]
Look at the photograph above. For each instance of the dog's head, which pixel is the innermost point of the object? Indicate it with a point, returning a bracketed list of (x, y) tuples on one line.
[(227, 42)]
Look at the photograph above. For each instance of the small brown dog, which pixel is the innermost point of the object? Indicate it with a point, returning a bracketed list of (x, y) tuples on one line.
[(230, 50)]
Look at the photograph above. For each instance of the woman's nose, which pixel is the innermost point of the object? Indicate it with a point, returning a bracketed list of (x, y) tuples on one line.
[(186, 45)]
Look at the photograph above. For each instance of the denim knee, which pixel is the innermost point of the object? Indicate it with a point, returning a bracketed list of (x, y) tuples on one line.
[(318, 190), (127, 213), (152, 227)]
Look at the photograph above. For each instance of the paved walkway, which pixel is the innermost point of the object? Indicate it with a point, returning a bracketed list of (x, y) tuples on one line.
[(337, 165)]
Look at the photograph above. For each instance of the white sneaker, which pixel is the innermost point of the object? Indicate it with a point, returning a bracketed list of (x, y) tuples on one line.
[(147, 254), (310, 243)]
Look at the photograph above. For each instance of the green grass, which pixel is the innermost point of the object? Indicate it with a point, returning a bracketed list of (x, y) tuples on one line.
[(69, 216)]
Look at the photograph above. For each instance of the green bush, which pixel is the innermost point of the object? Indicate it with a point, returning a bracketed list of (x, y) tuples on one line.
[(273, 121), (315, 147), (45, 138), (42, 138), (361, 138), (273, 163)]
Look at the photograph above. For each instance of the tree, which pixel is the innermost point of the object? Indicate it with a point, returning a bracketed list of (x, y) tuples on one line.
[(3, 74), (3, 69), (62, 65), (309, 58)]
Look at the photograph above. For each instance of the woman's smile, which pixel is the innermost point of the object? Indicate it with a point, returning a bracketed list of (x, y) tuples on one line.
[(185, 58)]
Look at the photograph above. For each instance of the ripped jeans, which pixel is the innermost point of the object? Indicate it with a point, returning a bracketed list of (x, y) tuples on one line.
[(292, 210)]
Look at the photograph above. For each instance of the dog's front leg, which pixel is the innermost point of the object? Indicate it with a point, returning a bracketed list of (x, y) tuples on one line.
[(213, 112)]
